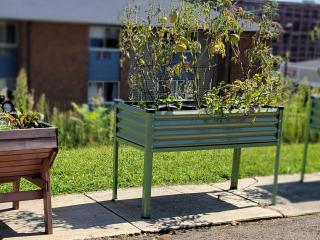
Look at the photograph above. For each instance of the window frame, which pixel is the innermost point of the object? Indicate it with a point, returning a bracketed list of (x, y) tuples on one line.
[(104, 47), (10, 45), (104, 82)]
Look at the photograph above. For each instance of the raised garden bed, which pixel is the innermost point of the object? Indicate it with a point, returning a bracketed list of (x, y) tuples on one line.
[(312, 123), (190, 130), (29, 154)]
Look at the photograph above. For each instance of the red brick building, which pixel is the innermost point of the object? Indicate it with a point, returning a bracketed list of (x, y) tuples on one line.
[(70, 49), (297, 20)]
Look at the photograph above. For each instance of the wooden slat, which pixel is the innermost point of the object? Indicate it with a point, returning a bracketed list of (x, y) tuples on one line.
[(22, 157), (28, 133), (53, 156), (8, 179), (37, 181), (21, 196), (18, 169), (25, 144), (37, 161), (20, 174), (27, 151)]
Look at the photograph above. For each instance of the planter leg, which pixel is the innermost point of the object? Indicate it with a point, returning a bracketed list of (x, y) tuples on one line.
[(305, 152), (16, 188), (115, 170), (147, 183), (47, 205), (275, 178), (235, 168), (305, 157)]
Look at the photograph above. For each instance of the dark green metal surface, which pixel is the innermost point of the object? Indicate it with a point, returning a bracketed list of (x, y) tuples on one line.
[(155, 131), (312, 123)]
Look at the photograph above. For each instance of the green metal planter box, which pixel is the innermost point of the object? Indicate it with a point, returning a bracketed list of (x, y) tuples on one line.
[(190, 130), (313, 123)]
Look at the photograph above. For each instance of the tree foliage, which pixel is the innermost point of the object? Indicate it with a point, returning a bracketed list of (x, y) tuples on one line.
[(163, 45)]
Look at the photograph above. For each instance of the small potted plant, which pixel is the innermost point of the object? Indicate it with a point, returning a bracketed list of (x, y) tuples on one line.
[(175, 104), (28, 148)]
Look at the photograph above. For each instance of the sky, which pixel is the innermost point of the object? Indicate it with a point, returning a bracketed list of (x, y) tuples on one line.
[(316, 1)]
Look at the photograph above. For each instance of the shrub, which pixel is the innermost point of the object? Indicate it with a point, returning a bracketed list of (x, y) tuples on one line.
[(295, 115), (20, 94), (78, 127)]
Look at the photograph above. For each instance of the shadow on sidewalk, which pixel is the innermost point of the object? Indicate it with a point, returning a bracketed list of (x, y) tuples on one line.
[(168, 211), (179, 210), (25, 222), (294, 192)]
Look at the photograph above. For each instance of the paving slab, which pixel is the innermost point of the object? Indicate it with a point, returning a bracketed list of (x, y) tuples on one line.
[(94, 215), (74, 217), (294, 198), (177, 207)]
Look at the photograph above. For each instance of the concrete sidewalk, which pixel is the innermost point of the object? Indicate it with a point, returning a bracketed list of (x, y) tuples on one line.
[(95, 215)]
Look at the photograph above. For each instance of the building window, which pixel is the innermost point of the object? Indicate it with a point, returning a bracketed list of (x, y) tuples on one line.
[(104, 63), (8, 34), (8, 85), (109, 90), (315, 14), (289, 12), (295, 39), (305, 27), (8, 55), (302, 52), (296, 26), (104, 37)]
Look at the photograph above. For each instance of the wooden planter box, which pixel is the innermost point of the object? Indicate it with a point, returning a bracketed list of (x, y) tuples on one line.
[(29, 154), (161, 131), (312, 123)]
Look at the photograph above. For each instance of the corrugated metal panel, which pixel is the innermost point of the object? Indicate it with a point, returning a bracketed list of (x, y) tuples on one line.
[(104, 66), (8, 62), (315, 113), (130, 125), (174, 130)]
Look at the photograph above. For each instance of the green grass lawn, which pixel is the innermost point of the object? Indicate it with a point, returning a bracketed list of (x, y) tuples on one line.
[(90, 168)]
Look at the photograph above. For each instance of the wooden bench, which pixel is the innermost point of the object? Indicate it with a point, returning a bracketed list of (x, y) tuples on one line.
[(28, 154)]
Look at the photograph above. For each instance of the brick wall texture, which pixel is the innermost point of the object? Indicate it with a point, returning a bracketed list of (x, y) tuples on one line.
[(59, 62), (55, 56)]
